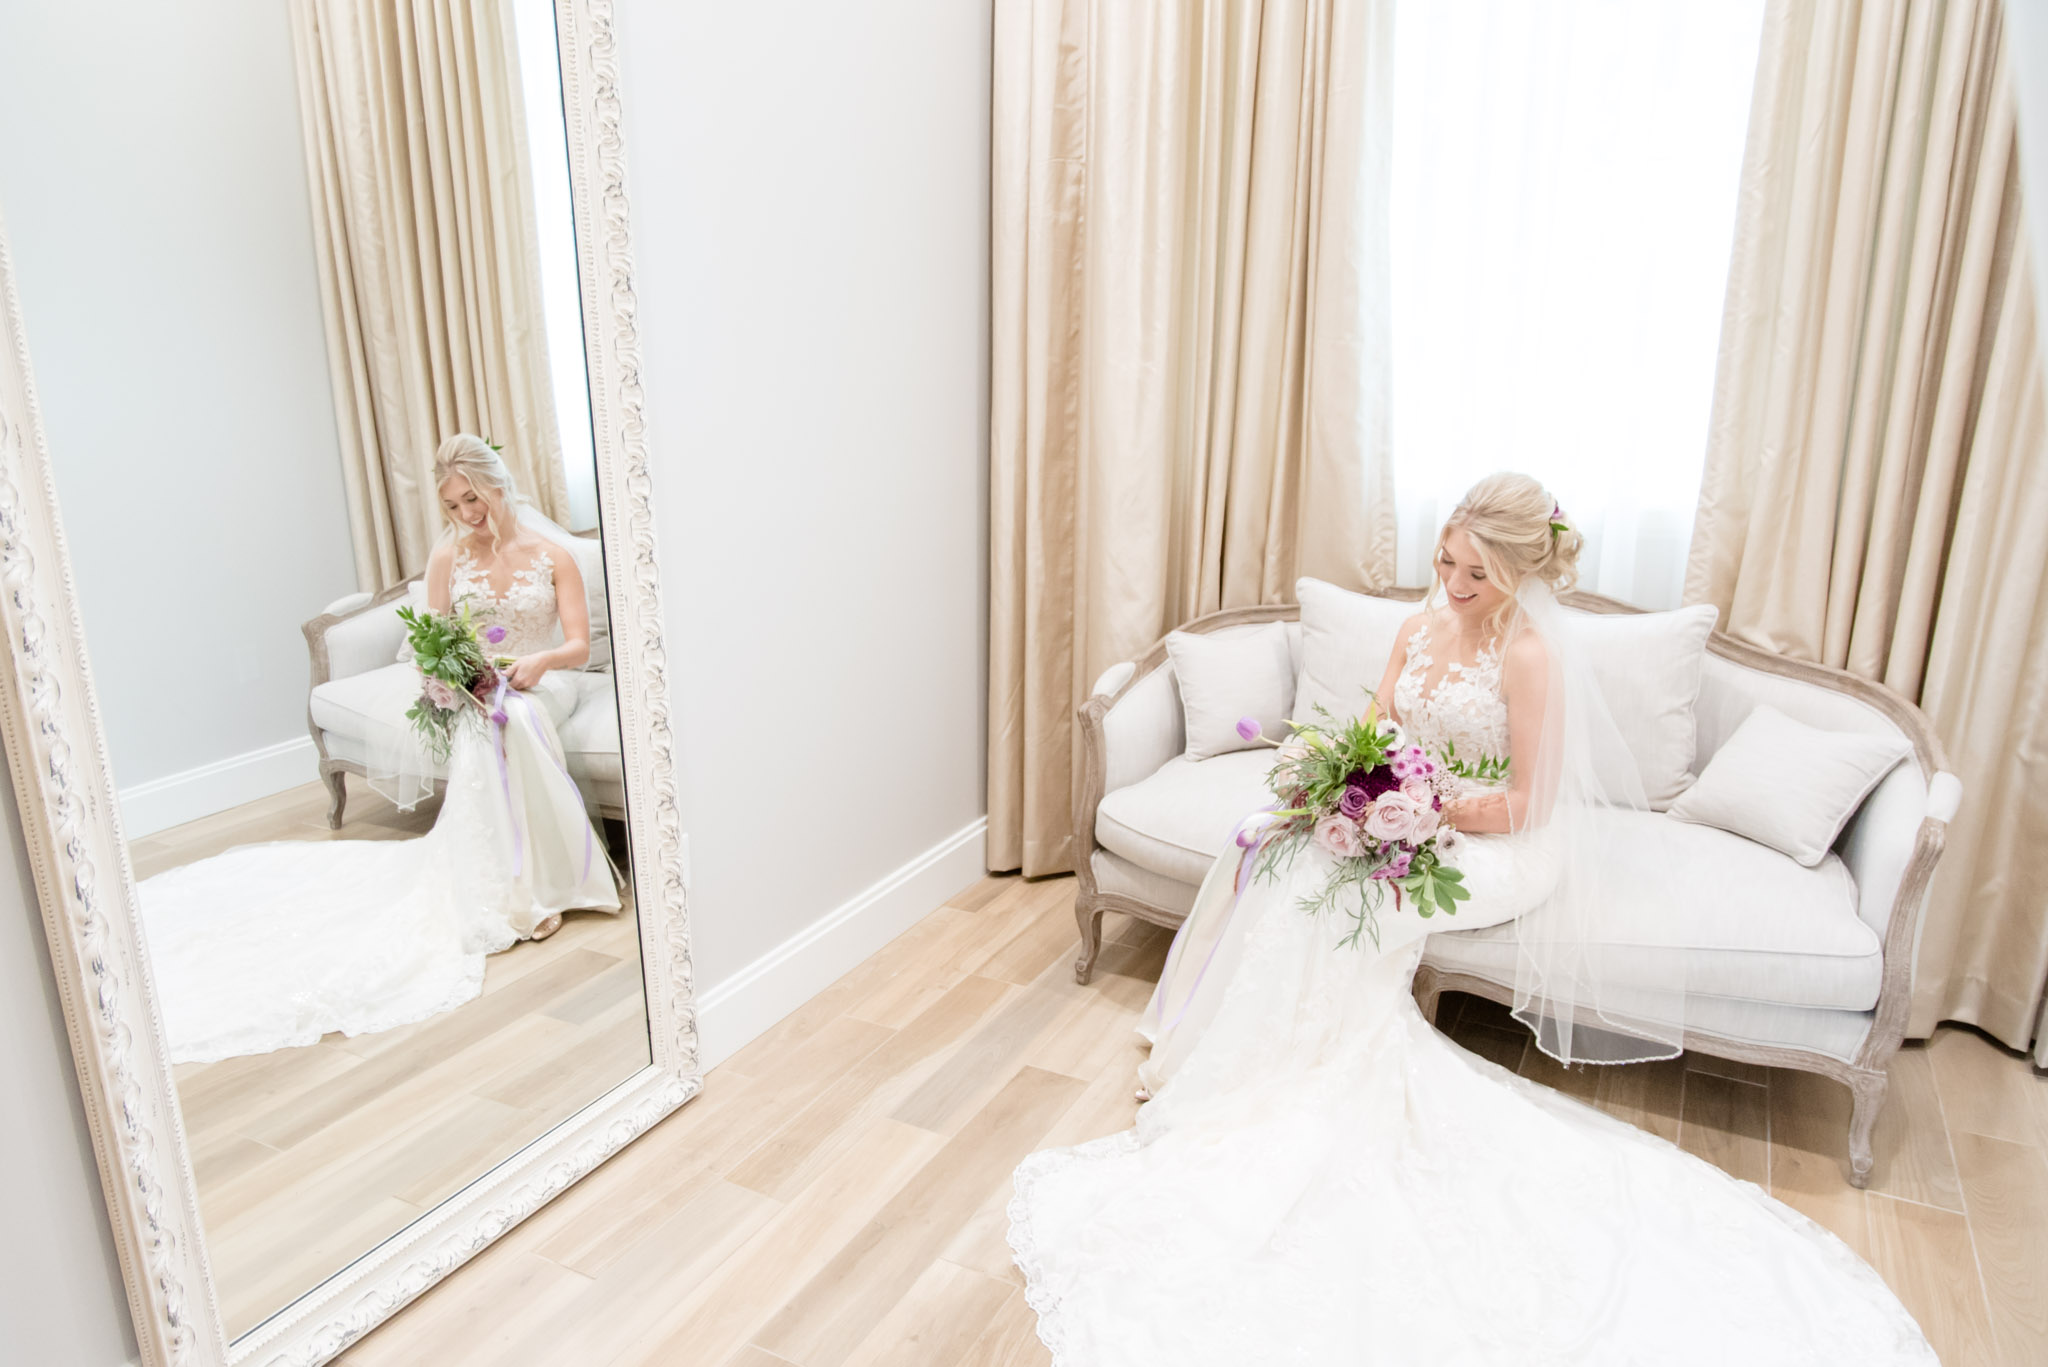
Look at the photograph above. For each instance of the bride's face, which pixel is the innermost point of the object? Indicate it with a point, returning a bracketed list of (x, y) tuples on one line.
[(1472, 592), (467, 506)]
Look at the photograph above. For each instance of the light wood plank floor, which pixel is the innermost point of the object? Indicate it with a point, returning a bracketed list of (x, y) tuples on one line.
[(836, 1196), (308, 1158)]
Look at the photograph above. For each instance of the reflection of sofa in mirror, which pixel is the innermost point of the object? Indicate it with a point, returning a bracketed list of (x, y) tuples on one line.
[(363, 680)]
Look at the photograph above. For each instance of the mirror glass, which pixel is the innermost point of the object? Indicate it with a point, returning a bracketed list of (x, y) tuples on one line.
[(345, 598)]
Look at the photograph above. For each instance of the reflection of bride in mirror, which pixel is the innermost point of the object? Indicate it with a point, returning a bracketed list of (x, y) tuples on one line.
[(269, 946)]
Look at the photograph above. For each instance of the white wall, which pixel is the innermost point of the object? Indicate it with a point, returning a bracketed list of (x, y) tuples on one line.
[(809, 183), (153, 178)]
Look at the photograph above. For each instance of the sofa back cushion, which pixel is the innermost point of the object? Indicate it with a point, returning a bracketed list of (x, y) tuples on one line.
[(1226, 676), (1346, 640), (1648, 666)]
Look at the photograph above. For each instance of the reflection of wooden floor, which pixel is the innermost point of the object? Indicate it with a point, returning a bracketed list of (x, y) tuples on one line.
[(836, 1197), (307, 1158)]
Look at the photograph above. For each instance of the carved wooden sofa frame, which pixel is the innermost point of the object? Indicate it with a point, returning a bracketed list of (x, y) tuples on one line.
[(1866, 1075)]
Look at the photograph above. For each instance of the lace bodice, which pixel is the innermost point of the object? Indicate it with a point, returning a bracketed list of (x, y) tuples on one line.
[(1464, 717), (526, 611)]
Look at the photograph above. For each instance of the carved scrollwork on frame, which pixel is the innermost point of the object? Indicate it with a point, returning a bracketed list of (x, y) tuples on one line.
[(71, 822)]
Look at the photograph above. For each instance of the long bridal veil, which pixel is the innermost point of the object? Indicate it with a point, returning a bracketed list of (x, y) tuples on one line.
[(1586, 991)]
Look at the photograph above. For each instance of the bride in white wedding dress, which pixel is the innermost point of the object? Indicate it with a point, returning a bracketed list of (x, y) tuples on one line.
[(270, 946), (1321, 1178)]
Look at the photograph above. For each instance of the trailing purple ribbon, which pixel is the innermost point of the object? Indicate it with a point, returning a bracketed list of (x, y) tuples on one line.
[(505, 693), (1259, 822)]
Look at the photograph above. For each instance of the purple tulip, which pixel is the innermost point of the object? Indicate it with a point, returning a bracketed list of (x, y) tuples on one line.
[(1249, 728), (494, 634), (498, 717)]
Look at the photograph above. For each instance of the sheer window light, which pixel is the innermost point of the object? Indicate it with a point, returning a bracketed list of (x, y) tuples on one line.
[(1563, 210)]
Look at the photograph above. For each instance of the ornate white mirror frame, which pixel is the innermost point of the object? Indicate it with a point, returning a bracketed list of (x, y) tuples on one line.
[(57, 752)]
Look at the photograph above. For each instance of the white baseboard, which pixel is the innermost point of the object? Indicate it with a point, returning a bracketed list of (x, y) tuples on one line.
[(737, 1010), (163, 803)]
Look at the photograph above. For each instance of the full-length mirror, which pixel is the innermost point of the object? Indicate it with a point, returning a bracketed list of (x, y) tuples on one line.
[(364, 701)]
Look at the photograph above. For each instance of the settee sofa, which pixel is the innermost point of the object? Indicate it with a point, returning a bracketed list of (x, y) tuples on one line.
[(1785, 965), (362, 684)]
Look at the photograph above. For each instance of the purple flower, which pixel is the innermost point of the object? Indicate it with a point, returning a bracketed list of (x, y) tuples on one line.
[(494, 634), (1354, 802), (498, 717), (440, 694)]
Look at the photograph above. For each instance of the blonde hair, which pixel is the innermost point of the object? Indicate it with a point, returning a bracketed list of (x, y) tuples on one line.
[(477, 461), (1518, 531)]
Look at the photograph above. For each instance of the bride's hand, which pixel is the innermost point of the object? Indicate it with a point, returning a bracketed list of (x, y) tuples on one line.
[(526, 671)]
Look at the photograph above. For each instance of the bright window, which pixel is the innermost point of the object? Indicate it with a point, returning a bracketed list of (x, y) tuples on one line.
[(1564, 181)]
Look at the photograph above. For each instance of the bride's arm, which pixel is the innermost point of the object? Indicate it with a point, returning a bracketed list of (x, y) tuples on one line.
[(439, 566), (1396, 664), (573, 610), (1525, 686)]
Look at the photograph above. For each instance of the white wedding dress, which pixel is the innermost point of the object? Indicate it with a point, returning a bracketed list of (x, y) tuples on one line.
[(1322, 1178), (271, 946)]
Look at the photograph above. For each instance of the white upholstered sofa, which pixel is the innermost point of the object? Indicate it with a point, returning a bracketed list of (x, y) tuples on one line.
[(1785, 965), (361, 684)]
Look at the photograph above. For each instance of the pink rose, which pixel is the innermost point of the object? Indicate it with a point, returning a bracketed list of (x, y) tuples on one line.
[(1339, 837), (441, 695), (1425, 823), (1391, 818), (1417, 789)]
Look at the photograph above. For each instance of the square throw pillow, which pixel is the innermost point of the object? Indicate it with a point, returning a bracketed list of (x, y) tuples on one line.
[(1648, 667), (1346, 640), (1228, 675), (1788, 785)]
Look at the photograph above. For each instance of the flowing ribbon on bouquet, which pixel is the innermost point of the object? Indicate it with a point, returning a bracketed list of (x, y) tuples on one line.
[(1250, 836), (503, 695)]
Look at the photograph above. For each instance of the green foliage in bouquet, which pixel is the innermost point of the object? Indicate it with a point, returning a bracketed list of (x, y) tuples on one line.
[(448, 652)]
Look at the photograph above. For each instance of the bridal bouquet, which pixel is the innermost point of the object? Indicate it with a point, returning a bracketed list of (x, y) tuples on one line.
[(1372, 800), (456, 676)]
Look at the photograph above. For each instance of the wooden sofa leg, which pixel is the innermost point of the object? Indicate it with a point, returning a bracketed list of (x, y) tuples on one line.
[(1428, 989), (1868, 1088), (337, 796), (1089, 919)]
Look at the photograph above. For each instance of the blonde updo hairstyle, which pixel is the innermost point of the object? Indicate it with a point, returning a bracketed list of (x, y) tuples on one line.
[(472, 457), (1509, 519)]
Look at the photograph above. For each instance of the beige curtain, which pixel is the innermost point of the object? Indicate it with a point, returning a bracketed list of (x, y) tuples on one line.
[(1190, 349), (1876, 486), (423, 225)]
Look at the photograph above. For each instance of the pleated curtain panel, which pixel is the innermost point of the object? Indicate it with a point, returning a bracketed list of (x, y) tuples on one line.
[(1190, 346), (1876, 486), (423, 226)]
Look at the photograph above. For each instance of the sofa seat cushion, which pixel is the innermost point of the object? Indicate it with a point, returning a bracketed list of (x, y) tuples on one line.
[(363, 713), (1178, 820), (366, 705), (1749, 923)]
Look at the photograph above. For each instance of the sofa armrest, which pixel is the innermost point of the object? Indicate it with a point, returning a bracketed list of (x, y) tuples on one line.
[(356, 634)]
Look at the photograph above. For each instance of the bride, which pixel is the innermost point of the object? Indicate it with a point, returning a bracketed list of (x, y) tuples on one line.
[(1319, 1177), (271, 946)]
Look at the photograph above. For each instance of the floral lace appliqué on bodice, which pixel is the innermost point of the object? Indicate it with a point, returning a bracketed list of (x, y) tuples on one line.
[(526, 611), (1463, 716)]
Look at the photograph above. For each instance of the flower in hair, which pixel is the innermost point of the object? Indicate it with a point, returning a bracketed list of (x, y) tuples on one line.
[(1558, 526)]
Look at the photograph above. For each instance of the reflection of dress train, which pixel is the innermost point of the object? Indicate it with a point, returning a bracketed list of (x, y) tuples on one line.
[(1323, 1178), (270, 946)]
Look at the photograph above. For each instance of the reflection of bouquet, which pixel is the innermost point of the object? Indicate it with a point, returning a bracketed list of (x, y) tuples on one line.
[(1371, 800), (456, 677)]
